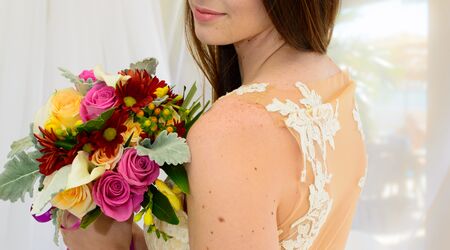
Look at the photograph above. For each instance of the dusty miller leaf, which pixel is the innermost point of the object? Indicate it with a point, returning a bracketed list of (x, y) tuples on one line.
[(167, 148), (19, 176), (70, 76), (80, 85), (20, 145), (148, 64)]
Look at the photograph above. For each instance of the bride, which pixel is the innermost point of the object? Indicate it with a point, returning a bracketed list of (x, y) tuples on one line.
[(279, 160)]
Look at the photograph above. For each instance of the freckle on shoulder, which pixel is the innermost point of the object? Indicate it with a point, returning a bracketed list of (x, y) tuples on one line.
[(231, 113)]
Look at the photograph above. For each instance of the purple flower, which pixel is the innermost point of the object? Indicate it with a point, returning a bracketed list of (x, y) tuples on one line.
[(138, 171), (97, 100), (86, 74), (113, 195)]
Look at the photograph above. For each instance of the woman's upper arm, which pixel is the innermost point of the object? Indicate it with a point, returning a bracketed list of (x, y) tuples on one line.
[(234, 195)]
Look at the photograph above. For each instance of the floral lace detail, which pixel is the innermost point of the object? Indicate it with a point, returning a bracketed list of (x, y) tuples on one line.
[(315, 123), (357, 119), (362, 180), (248, 88)]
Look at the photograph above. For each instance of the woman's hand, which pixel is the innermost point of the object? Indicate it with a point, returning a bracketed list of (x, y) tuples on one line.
[(103, 233)]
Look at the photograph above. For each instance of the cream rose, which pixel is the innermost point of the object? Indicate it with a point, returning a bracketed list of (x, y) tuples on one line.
[(77, 200)]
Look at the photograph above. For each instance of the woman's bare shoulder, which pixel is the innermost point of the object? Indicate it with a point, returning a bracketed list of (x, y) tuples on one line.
[(231, 171), (232, 114)]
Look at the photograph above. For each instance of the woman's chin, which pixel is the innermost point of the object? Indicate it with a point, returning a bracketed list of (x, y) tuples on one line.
[(208, 37)]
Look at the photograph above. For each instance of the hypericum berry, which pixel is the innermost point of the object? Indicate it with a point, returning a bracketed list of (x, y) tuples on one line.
[(147, 123), (140, 113), (166, 112)]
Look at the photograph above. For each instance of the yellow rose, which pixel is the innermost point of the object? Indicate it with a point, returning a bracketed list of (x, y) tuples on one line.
[(77, 200), (65, 106), (132, 127), (42, 117), (99, 158)]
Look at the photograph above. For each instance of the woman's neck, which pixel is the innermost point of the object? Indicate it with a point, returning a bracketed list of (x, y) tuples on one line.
[(257, 51), (267, 56)]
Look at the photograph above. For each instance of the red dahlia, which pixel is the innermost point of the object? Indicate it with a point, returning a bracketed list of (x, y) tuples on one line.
[(54, 156), (180, 128), (111, 133), (138, 91)]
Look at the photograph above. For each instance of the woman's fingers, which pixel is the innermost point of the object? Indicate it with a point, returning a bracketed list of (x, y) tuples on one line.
[(103, 233)]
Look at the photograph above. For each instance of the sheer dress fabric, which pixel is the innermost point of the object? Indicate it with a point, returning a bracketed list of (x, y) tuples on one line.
[(325, 159)]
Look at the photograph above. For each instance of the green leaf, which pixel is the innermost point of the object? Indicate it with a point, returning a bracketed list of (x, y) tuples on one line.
[(148, 64), (129, 140), (90, 217), (193, 109), (162, 208), (191, 122), (178, 175), (190, 95), (165, 235), (167, 148), (19, 176), (67, 144), (97, 123), (57, 184)]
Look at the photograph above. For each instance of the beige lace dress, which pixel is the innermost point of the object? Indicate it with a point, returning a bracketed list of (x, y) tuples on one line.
[(320, 202)]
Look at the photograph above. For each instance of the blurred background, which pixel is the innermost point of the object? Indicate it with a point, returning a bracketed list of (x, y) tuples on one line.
[(398, 52)]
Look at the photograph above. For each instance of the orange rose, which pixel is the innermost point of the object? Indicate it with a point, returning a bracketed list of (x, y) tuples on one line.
[(99, 158)]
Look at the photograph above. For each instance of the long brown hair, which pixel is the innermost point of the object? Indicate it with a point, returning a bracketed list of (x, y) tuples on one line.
[(303, 24)]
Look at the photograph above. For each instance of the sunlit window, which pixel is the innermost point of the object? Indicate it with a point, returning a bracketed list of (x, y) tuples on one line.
[(384, 46)]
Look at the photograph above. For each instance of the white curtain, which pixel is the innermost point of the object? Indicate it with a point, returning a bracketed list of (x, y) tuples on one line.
[(396, 51), (40, 35)]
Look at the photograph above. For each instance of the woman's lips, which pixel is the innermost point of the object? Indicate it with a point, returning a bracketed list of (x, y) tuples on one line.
[(204, 15)]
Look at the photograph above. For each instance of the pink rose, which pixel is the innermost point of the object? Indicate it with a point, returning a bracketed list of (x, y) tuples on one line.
[(112, 193), (86, 74), (138, 171), (97, 100)]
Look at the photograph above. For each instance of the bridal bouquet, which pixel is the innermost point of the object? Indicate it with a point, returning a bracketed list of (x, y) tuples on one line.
[(100, 146)]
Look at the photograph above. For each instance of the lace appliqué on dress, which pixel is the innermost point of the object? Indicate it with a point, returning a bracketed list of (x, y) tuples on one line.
[(362, 180), (357, 118), (248, 88), (315, 123)]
